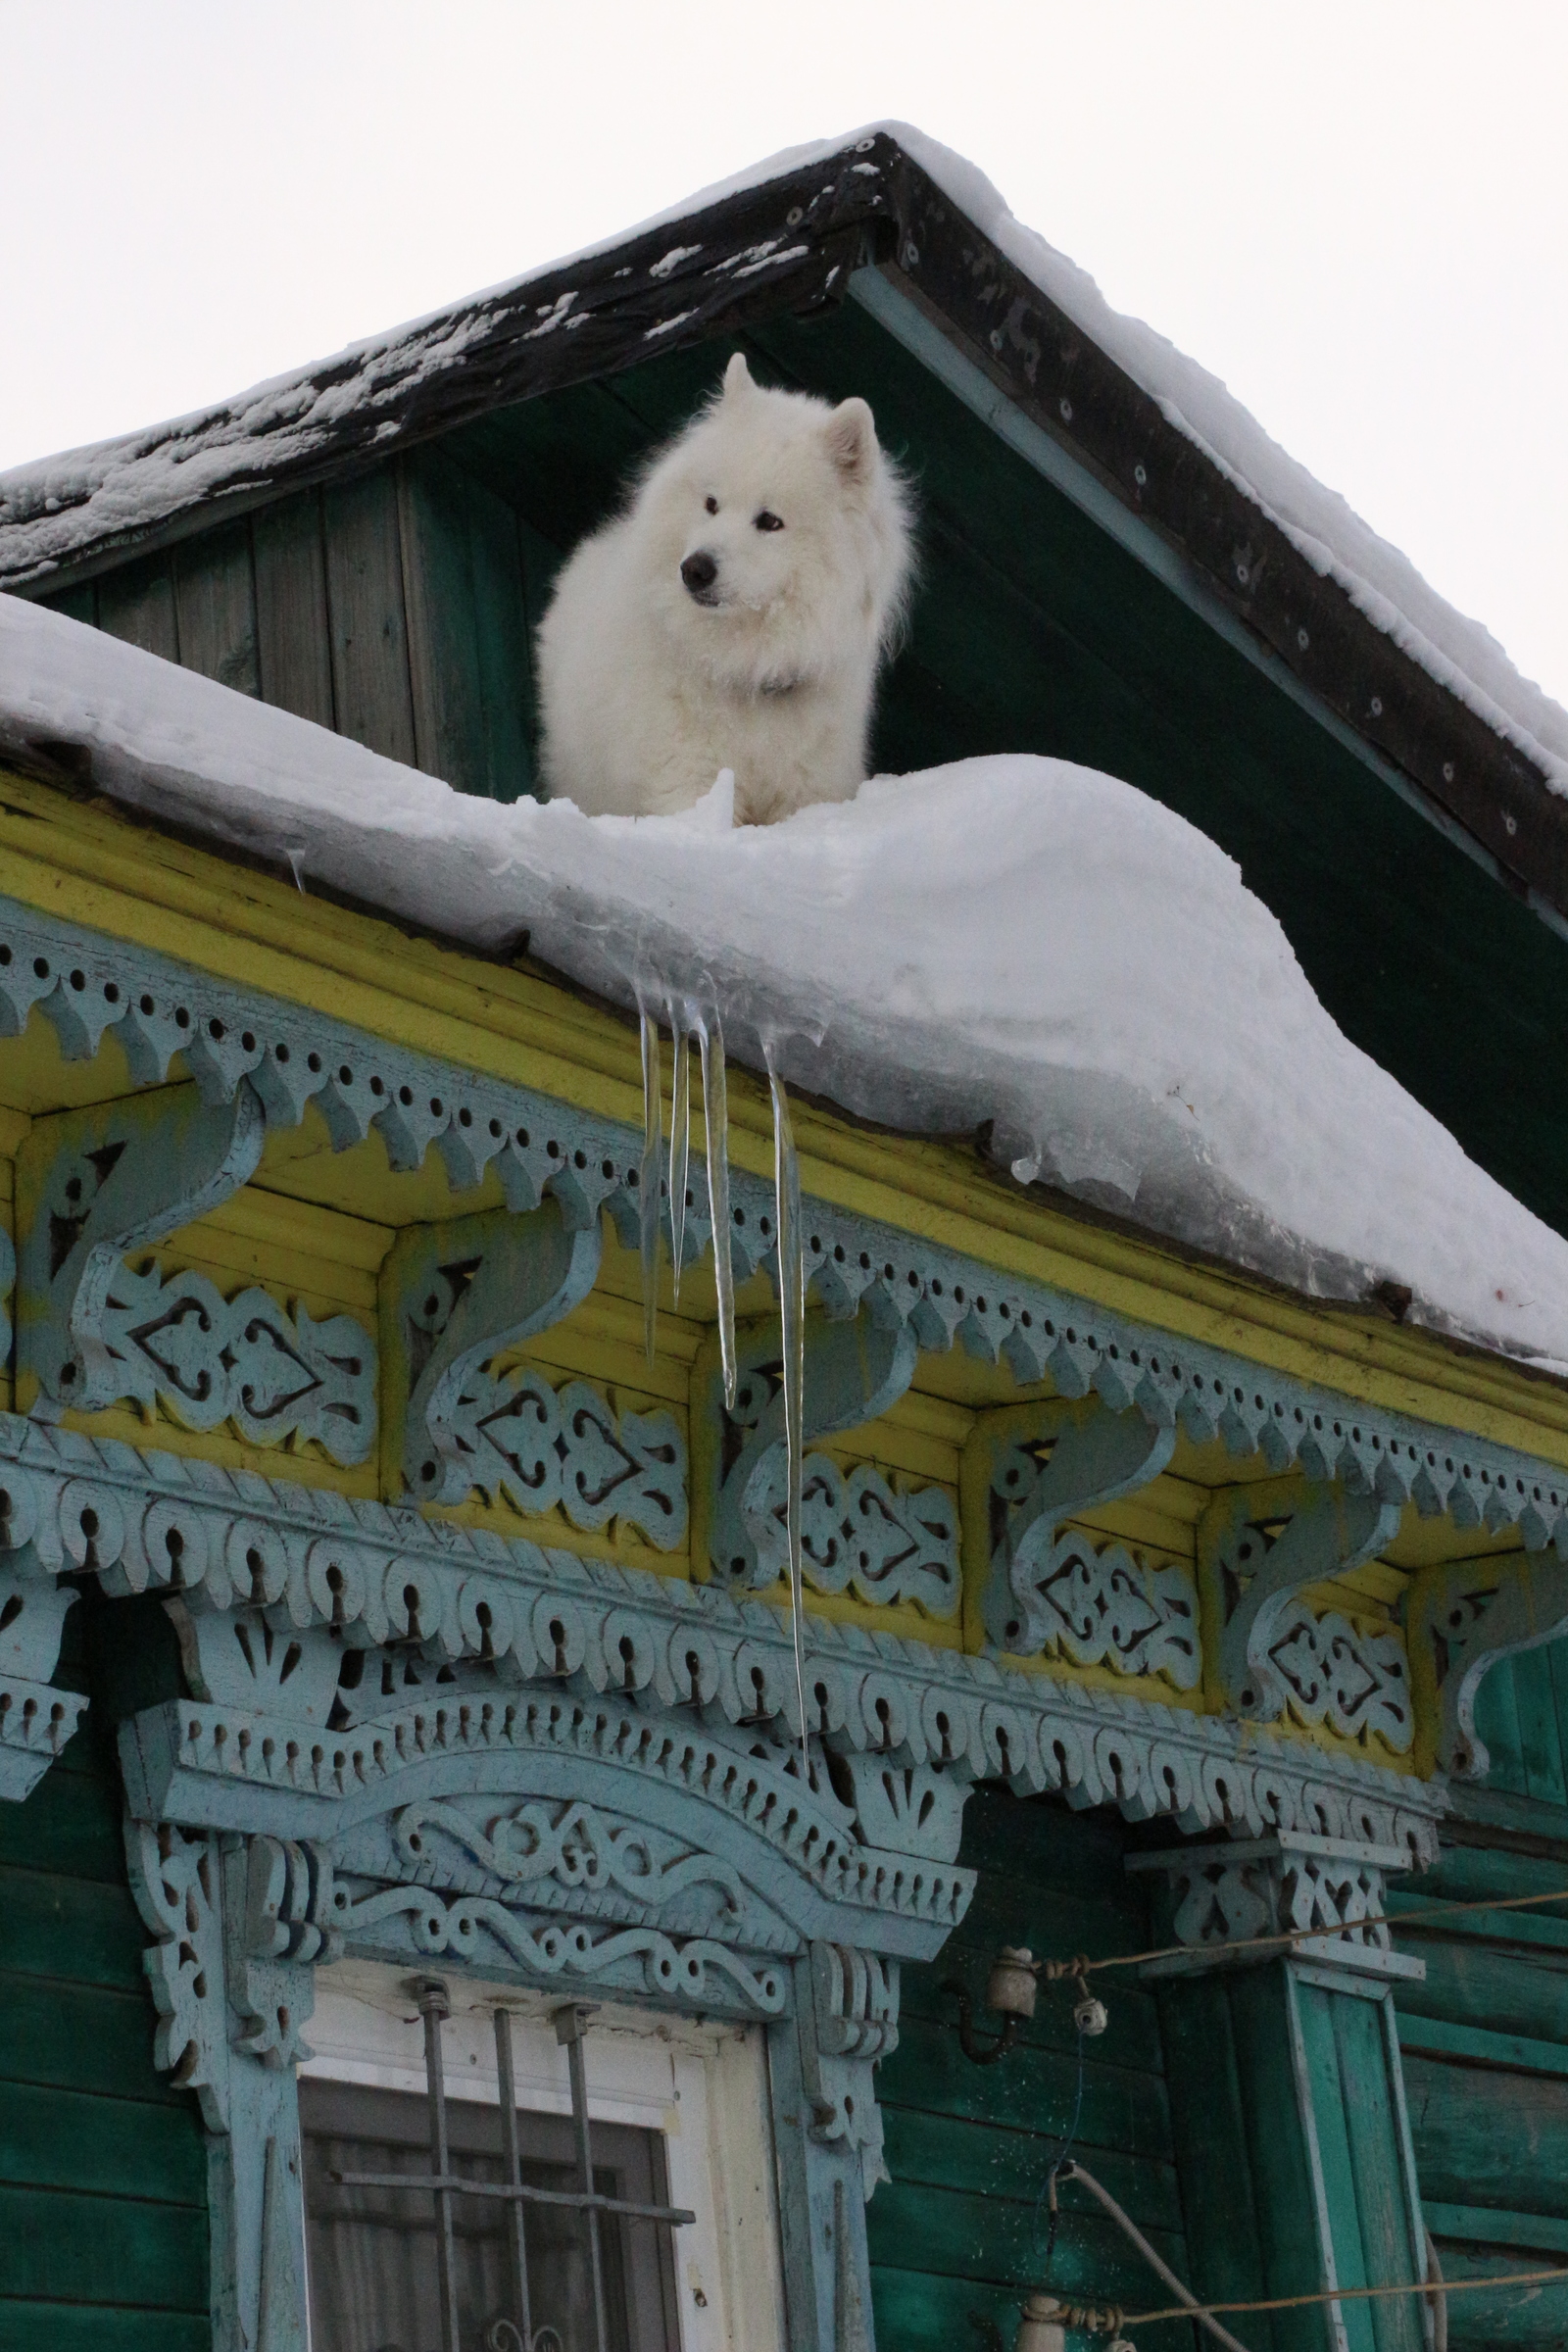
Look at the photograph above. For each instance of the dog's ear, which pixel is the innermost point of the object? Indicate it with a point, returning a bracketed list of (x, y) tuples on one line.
[(850, 433), (738, 377)]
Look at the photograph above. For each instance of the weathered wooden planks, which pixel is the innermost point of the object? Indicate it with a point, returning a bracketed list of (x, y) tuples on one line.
[(214, 603), (372, 689), (137, 604), (293, 629)]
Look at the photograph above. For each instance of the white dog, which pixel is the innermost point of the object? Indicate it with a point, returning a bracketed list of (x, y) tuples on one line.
[(733, 615)]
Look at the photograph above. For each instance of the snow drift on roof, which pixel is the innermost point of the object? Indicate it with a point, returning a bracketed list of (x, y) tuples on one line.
[(1009, 938), (60, 506)]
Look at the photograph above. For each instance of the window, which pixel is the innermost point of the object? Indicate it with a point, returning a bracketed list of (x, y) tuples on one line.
[(676, 2121)]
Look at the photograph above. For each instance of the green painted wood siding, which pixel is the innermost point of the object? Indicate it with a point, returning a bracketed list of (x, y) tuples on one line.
[(103, 2165), (959, 2232), (1486, 2037)]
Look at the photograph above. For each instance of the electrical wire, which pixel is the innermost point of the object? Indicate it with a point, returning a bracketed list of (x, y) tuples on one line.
[(1348, 2295), (1135, 2237), (1055, 1970)]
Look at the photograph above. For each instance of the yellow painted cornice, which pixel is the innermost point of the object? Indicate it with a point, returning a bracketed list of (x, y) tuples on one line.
[(89, 862)]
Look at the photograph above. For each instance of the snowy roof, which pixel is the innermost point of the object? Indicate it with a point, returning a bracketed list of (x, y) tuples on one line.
[(1332, 601), (1009, 938)]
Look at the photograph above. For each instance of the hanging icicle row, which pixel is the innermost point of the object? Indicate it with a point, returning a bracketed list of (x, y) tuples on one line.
[(716, 1125), (649, 1180), (680, 1137), (792, 1312)]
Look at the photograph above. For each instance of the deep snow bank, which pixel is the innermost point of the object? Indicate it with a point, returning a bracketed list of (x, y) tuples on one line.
[(1010, 939)]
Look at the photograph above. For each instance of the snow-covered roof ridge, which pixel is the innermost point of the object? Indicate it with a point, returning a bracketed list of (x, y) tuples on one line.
[(1383, 583), (56, 510), (993, 941)]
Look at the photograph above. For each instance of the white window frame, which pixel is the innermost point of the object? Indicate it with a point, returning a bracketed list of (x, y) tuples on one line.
[(701, 2083)]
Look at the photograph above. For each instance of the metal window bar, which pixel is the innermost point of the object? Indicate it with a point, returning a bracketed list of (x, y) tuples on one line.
[(443, 2183)]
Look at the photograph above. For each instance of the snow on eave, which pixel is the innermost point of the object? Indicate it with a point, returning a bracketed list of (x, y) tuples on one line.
[(54, 513)]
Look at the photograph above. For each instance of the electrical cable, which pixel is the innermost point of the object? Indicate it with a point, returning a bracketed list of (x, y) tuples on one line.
[(1350, 2294), (1056, 1970), (1135, 2237)]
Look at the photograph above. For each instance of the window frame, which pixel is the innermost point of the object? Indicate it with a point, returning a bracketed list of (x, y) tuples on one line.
[(701, 2083)]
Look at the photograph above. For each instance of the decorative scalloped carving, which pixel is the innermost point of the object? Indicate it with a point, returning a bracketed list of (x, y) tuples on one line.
[(475, 1929), (576, 1845), (84, 984), (318, 1557)]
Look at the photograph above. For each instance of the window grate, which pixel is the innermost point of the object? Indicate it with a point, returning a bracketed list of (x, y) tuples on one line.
[(444, 2185)]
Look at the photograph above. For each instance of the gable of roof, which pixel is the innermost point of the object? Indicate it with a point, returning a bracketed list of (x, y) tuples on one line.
[(1149, 443)]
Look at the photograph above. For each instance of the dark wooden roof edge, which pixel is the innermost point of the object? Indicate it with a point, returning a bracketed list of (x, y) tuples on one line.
[(791, 245)]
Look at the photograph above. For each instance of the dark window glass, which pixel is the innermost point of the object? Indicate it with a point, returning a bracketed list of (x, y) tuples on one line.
[(373, 2251)]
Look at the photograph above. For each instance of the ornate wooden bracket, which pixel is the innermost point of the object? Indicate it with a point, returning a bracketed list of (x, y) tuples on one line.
[(855, 1367), (1029, 1468), (1460, 1620), (1328, 1890), (453, 1297), (35, 1719), (1257, 1547), (92, 1185)]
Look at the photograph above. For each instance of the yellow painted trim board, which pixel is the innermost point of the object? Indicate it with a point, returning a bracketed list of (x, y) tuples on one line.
[(94, 866)]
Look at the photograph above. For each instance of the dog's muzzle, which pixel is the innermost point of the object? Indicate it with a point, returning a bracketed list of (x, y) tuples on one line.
[(699, 571)]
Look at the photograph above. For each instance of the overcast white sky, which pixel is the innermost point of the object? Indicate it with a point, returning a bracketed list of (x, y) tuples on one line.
[(1357, 215)]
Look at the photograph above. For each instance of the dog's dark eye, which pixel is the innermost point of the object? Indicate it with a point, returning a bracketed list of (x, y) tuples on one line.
[(767, 521), (712, 503)]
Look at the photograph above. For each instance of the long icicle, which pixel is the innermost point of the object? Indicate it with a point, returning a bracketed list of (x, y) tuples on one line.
[(680, 1137), (715, 1127), (647, 1180), (791, 1313)]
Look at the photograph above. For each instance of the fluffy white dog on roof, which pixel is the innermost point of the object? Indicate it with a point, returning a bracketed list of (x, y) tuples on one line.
[(734, 614)]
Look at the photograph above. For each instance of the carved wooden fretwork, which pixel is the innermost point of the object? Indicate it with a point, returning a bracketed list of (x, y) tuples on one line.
[(1049, 1589), (1270, 1654), (1461, 1619), (93, 1185), (452, 1297), (466, 1603), (857, 1365), (35, 1719), (1327, 1892), (859, 1534), (849, 2024), (230, 1039), (544, 1449)]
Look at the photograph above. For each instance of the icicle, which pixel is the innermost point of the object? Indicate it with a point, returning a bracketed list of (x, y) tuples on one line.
[(792, 1311), (680, 1137), (647, 1182), (716, 1125)]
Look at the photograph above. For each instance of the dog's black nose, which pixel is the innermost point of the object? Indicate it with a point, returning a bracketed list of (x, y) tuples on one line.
[(699, 571)]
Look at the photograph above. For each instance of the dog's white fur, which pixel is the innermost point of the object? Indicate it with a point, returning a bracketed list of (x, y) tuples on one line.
[(650, 689)]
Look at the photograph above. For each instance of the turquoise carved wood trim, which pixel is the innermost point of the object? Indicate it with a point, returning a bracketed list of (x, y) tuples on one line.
[(93, 1185), (470, 1606), (859, 1532), (1051, 1591), (85, 984), (1272, 1655)]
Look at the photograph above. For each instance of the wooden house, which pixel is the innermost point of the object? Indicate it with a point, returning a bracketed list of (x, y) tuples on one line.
[(324, 1797)]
